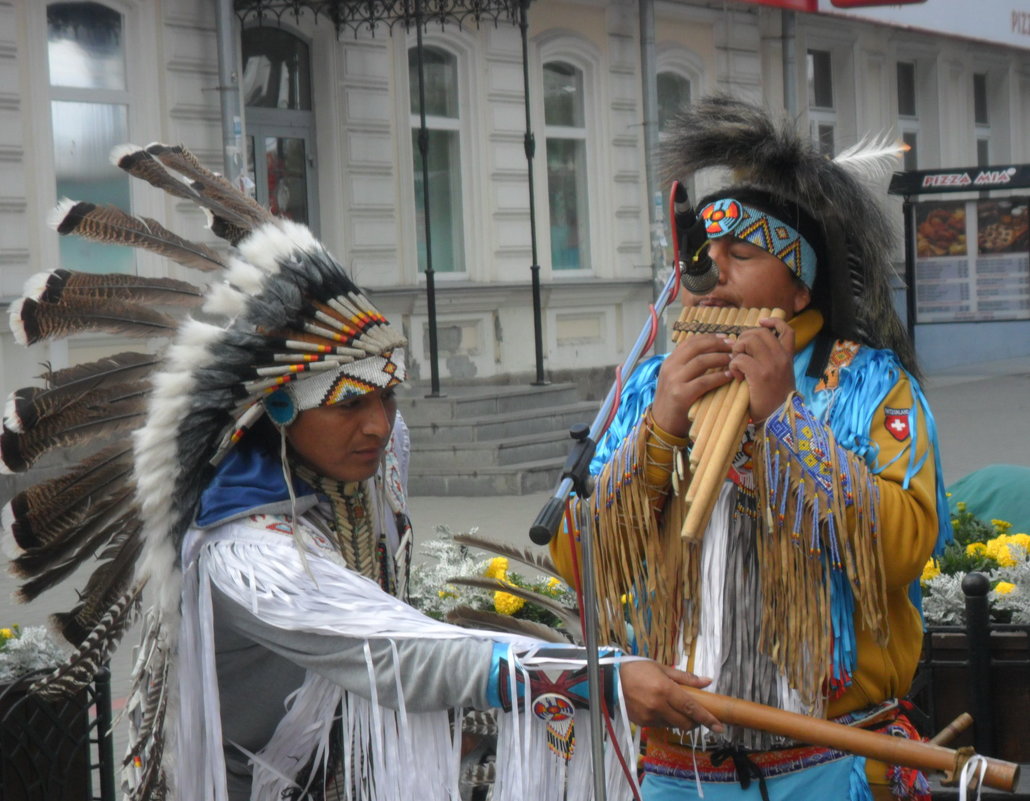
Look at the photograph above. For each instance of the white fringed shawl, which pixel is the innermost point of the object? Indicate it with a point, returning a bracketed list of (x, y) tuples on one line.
[(405, 755)]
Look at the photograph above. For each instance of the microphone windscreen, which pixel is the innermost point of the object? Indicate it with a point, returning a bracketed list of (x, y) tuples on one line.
[(703, 282)]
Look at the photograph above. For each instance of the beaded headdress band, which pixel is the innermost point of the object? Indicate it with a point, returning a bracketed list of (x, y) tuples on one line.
[(729, 217)]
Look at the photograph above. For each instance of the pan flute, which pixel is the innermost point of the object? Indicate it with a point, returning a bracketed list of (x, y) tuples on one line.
[(717, 419)]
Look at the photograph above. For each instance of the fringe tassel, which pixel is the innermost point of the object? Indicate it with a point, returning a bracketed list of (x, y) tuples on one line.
[(819, 551), (643, 569)]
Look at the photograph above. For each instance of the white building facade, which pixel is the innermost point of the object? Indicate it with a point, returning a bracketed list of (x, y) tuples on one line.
[(333, 117)]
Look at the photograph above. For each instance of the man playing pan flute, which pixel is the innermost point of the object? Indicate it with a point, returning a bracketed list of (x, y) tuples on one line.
[(799, 591)]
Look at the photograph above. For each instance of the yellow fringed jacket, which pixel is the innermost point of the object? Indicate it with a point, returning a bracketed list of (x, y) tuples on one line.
[(907, 526)]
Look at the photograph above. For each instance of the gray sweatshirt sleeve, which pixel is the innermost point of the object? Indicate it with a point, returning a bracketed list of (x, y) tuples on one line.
[(434, 673)]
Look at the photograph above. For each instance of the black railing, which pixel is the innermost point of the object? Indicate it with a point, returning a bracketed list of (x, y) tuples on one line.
[(982, 668), (57, 750)]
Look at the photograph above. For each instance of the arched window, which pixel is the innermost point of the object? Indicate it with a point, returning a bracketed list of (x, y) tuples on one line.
[(566, 134), (89, 108), (673, 97), (443, 158), (276, 90)]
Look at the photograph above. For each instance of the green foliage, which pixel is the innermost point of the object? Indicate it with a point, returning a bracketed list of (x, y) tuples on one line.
[(550, 588), (969, 528), (955, 560)]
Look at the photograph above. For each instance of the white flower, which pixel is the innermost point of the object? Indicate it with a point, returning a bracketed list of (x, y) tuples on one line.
[(32, 651), (428, 590)]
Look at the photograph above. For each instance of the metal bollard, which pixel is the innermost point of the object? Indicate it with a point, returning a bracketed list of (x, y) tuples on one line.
[(978, 637), (105, 739)]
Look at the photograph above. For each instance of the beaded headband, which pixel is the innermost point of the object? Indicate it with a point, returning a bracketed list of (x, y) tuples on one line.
[(729, 217)]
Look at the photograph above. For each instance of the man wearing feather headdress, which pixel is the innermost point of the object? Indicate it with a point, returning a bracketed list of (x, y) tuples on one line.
[(802, 592), (261, 502)]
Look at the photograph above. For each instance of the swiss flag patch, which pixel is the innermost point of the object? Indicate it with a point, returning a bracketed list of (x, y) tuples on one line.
[(896, 422)]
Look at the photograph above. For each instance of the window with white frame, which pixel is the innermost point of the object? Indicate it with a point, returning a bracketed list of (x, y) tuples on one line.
[(674, 95), (89, 109), (908, 111), (566, 135), (981, 119), (821, 111), (443, 211)]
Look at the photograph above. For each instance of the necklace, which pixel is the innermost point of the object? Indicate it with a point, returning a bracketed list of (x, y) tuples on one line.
[(350, 524)]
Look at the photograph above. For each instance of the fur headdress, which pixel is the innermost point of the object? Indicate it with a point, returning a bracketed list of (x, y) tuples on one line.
[(296, 333), (774, 166)]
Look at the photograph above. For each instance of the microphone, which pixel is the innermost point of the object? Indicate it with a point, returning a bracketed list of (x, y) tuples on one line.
[(698, 273)]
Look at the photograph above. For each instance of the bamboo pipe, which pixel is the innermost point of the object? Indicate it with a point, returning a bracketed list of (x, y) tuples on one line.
[(699, 410), (709, 406), (1000, 774), (732, 417), (709, 440)]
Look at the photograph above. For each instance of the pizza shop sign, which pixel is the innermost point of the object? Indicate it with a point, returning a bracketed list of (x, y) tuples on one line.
[(982, 178), (960, 179)]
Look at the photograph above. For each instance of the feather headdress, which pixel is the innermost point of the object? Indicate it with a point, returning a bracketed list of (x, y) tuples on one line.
[(297, 333), (852, 286)]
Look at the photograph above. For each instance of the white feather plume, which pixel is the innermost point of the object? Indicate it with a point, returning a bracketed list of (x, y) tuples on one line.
[(156, 463), (873, 157), (12, 422), (57, 214), (17, 326), (118, 152), (278, 240), (8, 544), (35, 285), (225, 300), (244, 275)]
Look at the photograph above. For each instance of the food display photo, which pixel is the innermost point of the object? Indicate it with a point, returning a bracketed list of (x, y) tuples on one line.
[(1002, 225), (941, 229)]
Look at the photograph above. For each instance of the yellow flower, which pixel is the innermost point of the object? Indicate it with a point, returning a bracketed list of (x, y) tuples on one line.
[(1022, 540), (6, 634), (506, 603), (1004, 587), (448, 593), (961, 506), (930, 570), (976, 549), (1001, 526), (999, 550), (497, 569)]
